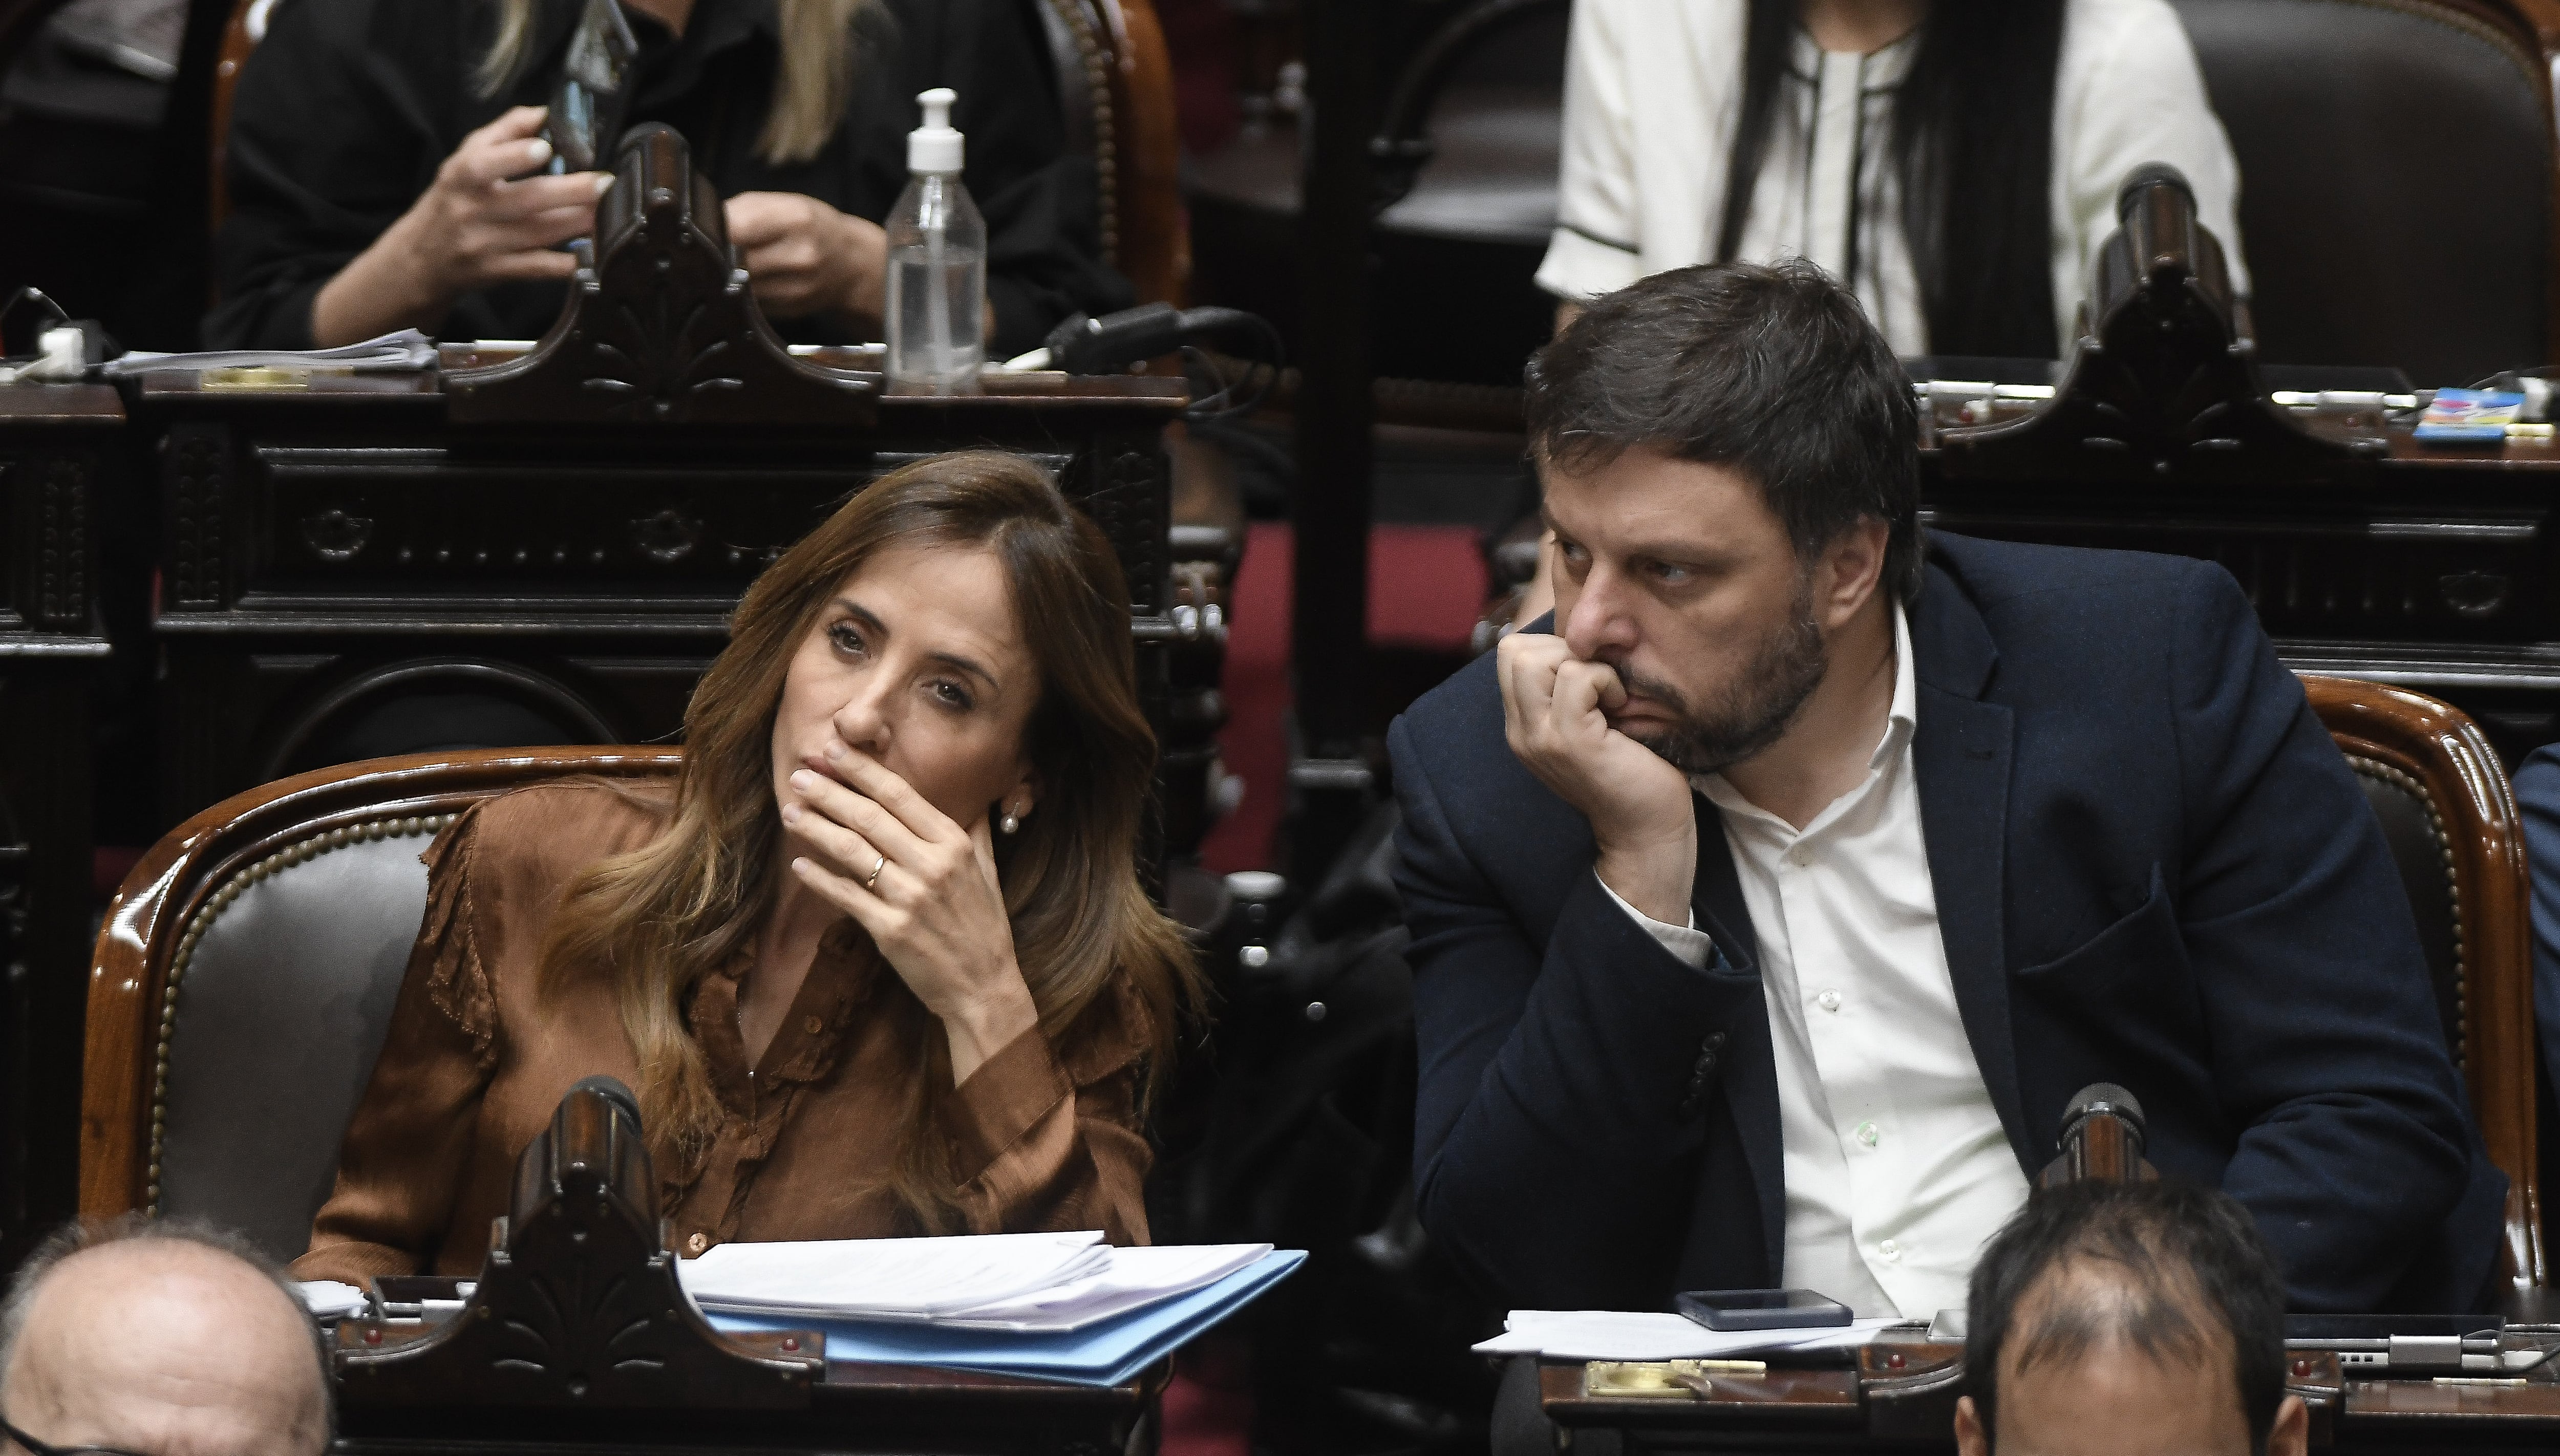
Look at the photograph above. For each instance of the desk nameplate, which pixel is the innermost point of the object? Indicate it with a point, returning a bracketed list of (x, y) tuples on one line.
[(1790, 1397), (2530, 1409)]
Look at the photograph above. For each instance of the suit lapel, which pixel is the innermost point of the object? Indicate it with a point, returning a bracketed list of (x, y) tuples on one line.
[(1961, 752), (1752, 1070)]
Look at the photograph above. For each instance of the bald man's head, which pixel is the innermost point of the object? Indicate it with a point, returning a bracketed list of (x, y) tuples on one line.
[(161, 1338), (2128, 1320)]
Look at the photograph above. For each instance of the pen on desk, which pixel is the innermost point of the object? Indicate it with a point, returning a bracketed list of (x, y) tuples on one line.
[(2529, 432), (2479, 1380), (1733, 1366)]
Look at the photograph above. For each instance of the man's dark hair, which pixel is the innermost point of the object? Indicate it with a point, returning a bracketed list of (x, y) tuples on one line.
[(1770, 370), (2152, 1267)]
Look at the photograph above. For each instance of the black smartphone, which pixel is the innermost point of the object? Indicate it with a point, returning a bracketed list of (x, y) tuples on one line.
[(588, 96), (1761, 1309)]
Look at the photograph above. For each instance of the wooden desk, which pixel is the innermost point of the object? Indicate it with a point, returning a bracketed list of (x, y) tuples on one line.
[(2366, 555), (576, 1336), (1901, 1397), (2433, 569), (867, 1408), (331, 550), (56, 444)]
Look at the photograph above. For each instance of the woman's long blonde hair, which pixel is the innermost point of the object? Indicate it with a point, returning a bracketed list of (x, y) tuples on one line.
[(813, 68), (660, 918)]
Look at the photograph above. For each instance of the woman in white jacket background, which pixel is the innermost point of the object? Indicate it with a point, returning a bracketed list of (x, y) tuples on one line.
[(1955, 162)]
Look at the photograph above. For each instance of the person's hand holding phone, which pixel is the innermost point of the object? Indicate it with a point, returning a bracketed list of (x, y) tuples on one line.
[(488, 217)]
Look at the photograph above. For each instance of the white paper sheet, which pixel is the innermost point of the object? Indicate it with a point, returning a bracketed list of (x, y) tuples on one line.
[(397, 352), (327, 1299), (1638, 1335), (889, 1278), (1012, 1283), (1133, 1279)]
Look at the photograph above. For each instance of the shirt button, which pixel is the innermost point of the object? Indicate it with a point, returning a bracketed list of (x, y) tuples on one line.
[(1891, 1251), (813, 1025), (695, 1244), (1829, 1001), (1868, 1134), (1800, 858)]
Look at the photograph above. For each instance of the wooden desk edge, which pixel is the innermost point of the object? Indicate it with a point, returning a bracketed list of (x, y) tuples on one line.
[(848, 1381), (62, 406), (1825, 1396)]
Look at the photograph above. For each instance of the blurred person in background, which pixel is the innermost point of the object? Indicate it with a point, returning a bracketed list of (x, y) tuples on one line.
[(384, 168)]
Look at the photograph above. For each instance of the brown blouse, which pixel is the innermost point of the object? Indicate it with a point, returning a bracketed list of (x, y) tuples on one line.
[(1044, 1136)]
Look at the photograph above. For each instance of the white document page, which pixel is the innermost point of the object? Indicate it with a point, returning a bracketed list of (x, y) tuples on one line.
[(875, 1278), (1134, 1279), (1639, 1335)]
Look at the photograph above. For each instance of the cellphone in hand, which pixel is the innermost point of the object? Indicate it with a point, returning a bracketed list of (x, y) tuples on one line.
[(1761, 1309)]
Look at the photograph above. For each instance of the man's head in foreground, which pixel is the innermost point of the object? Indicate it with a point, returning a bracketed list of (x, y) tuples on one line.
[(160, 1339), (1730, 456), (2138, 1319)]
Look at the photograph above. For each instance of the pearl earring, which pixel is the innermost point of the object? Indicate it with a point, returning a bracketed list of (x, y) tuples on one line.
[(1010, 823)]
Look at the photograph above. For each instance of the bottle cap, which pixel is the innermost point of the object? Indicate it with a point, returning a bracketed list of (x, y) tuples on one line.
[(935, 146)]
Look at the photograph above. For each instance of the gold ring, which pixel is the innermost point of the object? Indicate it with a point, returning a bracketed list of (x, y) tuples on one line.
[(875, 875)]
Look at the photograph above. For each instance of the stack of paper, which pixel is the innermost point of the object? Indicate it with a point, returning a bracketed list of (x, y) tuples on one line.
[(403, 352), (1628, 1335), (1045, 1306), (889, 1278)]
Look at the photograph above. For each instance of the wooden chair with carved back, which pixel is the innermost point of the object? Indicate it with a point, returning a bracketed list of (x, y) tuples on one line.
[(1115, 84), (244, 978), (2451, 821)]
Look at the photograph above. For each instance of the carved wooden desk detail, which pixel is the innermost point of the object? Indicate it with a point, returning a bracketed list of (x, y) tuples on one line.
[(57, 443), (577, 1337), (2366, 555), (1900, 1395)]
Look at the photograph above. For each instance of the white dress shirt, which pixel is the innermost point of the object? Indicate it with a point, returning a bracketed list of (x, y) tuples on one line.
[(1653, 90), (1896, 1166)]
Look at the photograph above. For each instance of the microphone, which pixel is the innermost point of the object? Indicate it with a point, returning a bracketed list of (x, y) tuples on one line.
[(612, 1091), (2161, 248), (2102, 1138), (2143, 178), (608, 1148), (1084, 344)]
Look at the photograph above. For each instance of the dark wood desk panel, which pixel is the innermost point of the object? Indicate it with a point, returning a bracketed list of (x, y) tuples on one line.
[(331, 548), (2432, 569), (889, 1410), (1882, 1408), (58, 442)]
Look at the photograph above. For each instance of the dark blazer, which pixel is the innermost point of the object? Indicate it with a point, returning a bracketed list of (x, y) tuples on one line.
[(2152, 868), (2537, 797)]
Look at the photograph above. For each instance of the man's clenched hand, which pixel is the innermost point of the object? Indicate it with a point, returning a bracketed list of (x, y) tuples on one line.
[(1555, 714)]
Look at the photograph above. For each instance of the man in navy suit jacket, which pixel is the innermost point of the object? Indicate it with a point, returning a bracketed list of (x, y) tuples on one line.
[(1770, 902)]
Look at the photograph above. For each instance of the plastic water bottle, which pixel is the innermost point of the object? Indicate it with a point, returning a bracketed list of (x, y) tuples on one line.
[(937, 262)]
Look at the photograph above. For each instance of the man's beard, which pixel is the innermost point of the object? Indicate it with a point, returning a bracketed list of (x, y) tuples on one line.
[(1754, 711)]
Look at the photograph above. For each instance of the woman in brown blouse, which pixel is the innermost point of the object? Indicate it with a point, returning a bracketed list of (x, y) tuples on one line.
[(879, 964)]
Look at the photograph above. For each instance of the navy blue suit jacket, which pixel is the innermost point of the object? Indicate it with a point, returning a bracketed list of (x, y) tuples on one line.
[(2538, 796), (2152, 866)]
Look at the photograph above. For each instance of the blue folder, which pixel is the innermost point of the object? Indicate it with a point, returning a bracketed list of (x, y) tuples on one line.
[(1105, 1353)]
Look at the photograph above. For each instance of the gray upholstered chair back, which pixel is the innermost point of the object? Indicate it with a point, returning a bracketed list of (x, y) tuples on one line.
[(2396, 179), (246, 977), (285, 983)]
